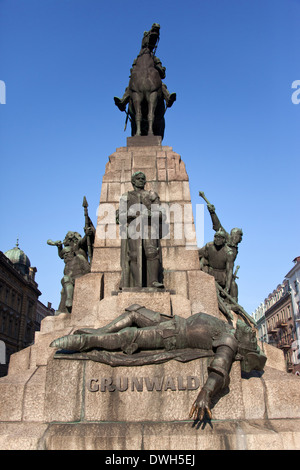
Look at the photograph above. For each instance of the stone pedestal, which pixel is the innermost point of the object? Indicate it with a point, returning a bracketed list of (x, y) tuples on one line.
[(165, 173), (65, 404)]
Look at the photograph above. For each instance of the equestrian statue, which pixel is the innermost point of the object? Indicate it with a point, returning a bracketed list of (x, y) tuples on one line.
[(146, 95)]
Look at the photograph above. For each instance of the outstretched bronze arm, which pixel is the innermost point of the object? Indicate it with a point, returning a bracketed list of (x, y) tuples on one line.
[(211, 209), (218, 378), (57, 243)]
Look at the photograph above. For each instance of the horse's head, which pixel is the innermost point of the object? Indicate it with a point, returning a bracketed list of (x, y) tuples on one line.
[(151, 37)]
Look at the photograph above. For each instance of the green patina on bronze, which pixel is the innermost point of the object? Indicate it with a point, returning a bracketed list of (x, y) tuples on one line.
[(77, 253)]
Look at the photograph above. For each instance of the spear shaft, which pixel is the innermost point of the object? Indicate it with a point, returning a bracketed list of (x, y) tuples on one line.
[(240, 309), (87, 224)]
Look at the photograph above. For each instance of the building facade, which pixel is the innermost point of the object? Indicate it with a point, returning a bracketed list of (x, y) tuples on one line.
[(280, 323), (259, 317), (20, 310), (293, 277), (278, 318)]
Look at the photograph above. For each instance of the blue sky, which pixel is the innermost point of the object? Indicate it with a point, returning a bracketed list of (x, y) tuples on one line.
[(232, 64)]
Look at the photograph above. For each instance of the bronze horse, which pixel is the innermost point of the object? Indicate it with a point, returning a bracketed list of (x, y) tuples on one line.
[(146, 92), (145, 88)]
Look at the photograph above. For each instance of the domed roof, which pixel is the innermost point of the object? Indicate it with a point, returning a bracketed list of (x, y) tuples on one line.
[(19, 259)]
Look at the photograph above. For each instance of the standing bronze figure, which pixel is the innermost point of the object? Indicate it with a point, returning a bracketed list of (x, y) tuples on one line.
[(77, 253), (232, 240), (217, 258), (140, 216), (146, 93)]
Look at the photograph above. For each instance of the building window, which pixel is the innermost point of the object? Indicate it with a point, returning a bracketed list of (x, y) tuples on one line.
[(10, 326), (3, 322), (19, 305), (17, 327), (13, 296)]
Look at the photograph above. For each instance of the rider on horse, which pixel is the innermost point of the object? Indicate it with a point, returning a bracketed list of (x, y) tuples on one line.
[(149, 44)]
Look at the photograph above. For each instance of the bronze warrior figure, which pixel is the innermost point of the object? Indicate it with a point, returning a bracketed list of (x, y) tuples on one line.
[(140, 216)]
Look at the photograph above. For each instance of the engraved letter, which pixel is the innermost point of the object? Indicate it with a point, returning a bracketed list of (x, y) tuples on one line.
[(137, 383), (170, 384), (119, 386), (106, 383), (91, 387), (190, 384), (180, 383), (156, 383)]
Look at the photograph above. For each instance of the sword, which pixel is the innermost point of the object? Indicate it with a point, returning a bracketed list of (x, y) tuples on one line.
[(235, 272)]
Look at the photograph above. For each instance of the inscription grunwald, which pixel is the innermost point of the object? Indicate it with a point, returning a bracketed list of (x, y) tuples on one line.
[(139, 384)]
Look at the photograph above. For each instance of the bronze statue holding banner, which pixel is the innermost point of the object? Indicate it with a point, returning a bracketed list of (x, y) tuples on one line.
[(77, 253)]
